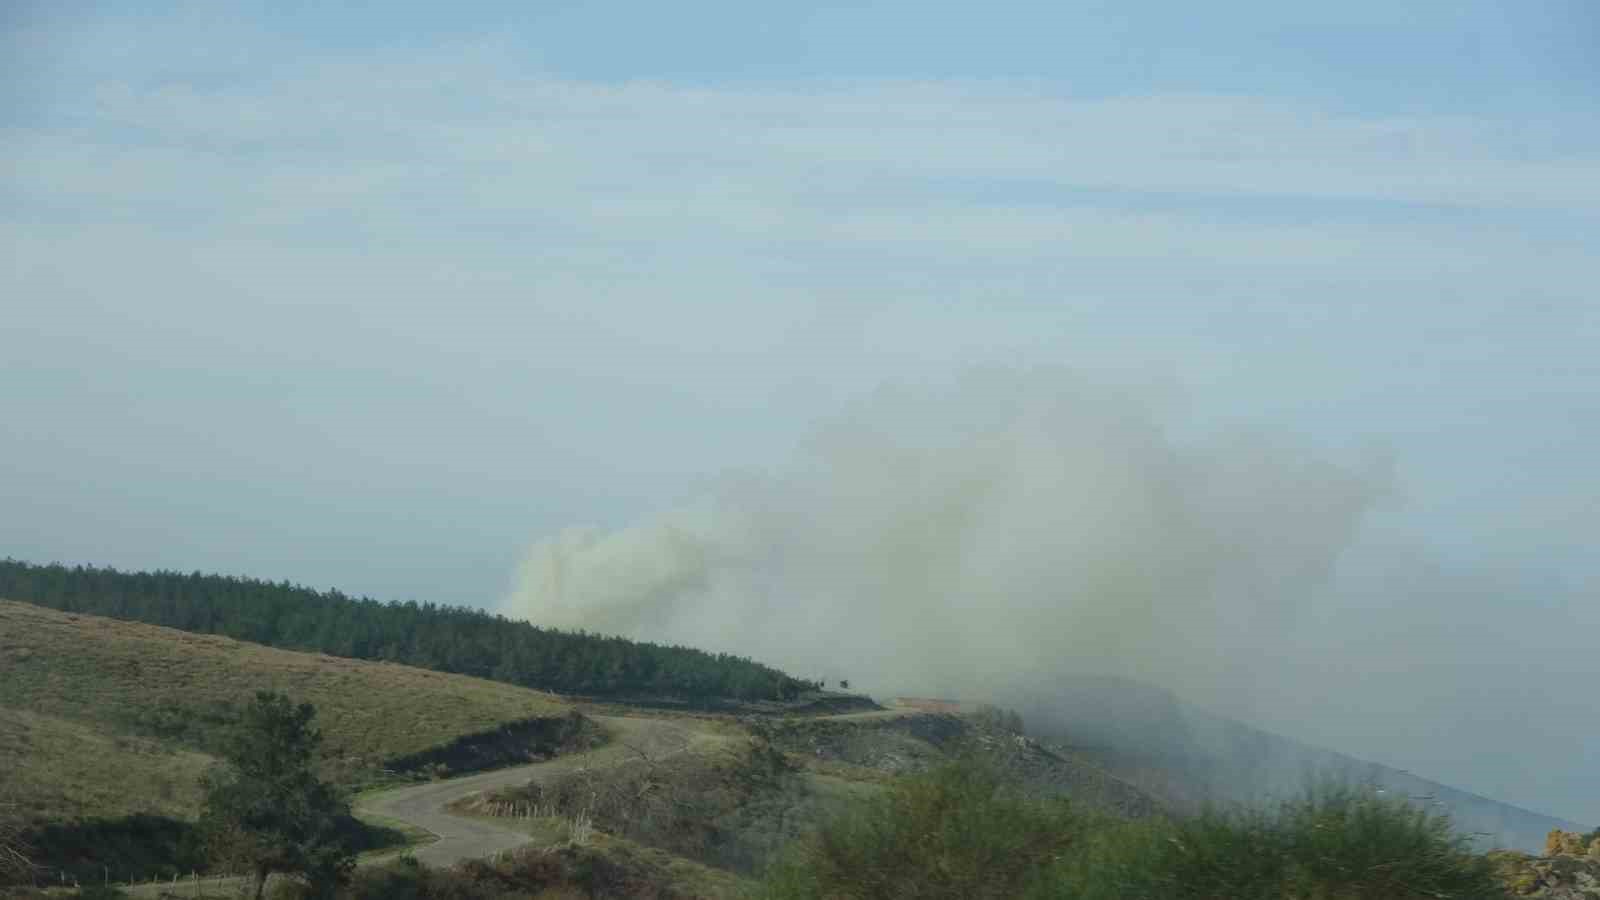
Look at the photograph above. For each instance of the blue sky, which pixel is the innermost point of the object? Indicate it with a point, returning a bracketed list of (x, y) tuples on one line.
[(1518, 60), (376, 296)]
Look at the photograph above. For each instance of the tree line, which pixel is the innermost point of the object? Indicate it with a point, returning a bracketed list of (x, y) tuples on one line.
[(427, 635)]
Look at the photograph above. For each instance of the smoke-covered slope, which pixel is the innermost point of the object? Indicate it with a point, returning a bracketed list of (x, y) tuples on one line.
[(1005, 533), (1186, 757)]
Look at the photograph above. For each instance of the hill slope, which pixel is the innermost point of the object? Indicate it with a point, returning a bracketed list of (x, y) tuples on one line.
[(1187, 757), (58, 769), (108, 718), (449, 639)]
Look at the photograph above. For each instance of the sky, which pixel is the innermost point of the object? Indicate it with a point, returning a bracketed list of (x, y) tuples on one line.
[(391, 297)]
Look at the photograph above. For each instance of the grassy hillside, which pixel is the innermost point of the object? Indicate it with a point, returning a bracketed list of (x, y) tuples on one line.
[(104, 717), (448, 639), (61, 769)]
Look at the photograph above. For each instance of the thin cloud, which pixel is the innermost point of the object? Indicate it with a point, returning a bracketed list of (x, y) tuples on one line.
[(443, 291)]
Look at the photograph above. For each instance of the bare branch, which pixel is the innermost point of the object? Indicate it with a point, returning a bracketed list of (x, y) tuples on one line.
[(14, 860)]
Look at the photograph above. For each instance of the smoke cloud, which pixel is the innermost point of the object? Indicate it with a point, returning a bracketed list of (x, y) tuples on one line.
[(977, 537)]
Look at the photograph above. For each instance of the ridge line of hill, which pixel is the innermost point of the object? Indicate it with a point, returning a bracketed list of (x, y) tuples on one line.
[(458, 640)]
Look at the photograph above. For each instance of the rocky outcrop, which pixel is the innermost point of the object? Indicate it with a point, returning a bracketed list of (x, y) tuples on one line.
[(1570, 843), (891, 745), (1568, 870)]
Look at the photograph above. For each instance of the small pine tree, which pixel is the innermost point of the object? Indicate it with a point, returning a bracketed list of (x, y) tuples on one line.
[(267, 810)]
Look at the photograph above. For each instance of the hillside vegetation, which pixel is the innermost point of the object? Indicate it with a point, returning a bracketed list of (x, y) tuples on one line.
[(963, 831), (60, 769), (109, 718), (735, 809), (1187, 758), (597, 866), (728, 810), (444, 638)]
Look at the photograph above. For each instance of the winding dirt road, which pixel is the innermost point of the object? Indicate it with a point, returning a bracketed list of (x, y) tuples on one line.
[(460, 837)]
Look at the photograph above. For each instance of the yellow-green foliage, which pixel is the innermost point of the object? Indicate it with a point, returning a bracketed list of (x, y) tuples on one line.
[(75, 688), (1515, 871), (1571, 843), (1556, 875)]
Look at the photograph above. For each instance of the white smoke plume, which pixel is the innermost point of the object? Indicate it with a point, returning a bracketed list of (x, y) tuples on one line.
[(973, 537)]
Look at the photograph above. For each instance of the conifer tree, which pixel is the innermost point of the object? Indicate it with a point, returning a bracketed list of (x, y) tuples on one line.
[(267, 810)]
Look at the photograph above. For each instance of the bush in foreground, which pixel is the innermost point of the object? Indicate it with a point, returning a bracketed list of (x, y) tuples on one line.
[(1332, 843), (956, 832), (960, 833)]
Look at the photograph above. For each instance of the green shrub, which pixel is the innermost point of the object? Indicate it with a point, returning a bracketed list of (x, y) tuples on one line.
[(1332, 843), (135, 848), (956, 832), (1358, 840), (1207, 857), (403, 879), (960, 832)]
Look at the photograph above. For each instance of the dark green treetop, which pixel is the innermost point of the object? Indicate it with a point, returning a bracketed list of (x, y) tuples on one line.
[(266, 810)]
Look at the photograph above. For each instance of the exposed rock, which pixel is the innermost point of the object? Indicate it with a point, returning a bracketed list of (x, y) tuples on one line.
[(1568, 843), (1569, 870), (905, 744)]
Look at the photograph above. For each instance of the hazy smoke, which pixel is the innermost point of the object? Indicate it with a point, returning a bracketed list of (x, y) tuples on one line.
[(975, 537)]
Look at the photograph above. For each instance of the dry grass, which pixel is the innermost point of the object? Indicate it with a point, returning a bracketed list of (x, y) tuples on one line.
[(601, 866), (683, 877), (60, 769), (70, 684)]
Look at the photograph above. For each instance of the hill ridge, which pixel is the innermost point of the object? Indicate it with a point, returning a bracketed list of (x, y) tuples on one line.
[(452, 639)]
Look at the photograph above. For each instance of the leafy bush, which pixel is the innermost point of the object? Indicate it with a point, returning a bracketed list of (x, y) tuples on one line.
[(1332, 843), (957, 832), (141, 847), (137, 847), (960, 832)]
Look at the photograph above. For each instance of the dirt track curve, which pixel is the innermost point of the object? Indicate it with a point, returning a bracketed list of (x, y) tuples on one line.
[(462, 838)]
